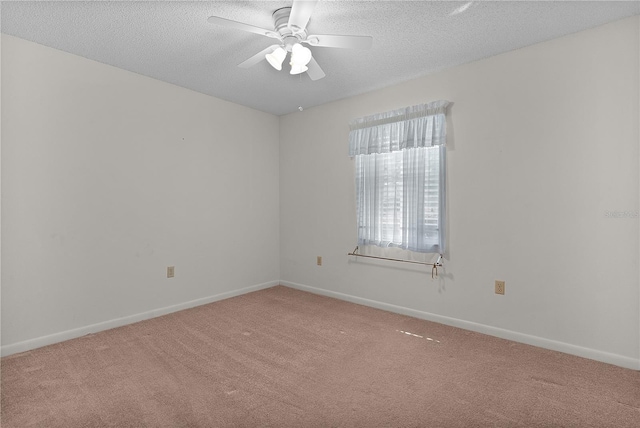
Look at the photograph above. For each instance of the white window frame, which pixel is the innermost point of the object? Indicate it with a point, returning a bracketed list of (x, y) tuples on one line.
[(400, 167)]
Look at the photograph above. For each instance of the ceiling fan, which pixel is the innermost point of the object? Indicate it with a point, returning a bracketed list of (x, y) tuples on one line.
[(290, 25)]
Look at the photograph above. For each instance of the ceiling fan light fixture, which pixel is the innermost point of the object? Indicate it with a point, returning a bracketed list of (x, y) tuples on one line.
[(276, 58), (300, 55)]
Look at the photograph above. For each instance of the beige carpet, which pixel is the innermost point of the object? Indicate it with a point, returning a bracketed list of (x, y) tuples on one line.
[(286, 358)]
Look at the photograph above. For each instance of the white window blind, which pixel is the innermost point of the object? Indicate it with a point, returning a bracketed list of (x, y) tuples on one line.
[(400, 171)]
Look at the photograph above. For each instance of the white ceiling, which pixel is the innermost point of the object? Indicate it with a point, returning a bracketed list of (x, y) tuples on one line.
[(172, 41)]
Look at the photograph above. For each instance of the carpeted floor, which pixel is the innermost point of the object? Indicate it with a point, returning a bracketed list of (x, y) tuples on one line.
[(285, 358)]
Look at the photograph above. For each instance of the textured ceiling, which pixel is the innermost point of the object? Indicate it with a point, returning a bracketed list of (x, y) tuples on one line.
[(173, 42)]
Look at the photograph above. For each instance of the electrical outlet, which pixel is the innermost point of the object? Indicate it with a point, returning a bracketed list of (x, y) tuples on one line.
[(319, 261), (171, 271), (499, 287)]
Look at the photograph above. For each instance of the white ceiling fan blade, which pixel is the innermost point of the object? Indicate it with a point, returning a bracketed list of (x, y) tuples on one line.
[(314, 71), (257, 57), (334, 41), (241, 26), (300, 13)]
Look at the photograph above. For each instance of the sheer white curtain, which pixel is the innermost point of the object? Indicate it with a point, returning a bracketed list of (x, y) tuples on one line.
[(400, 170)]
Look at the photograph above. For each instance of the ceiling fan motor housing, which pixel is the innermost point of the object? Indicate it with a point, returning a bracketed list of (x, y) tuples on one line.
[(289, 36)]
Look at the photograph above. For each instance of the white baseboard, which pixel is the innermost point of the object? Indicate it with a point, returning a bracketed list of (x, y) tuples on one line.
[(28, 345), (593, 354), (567, 348)]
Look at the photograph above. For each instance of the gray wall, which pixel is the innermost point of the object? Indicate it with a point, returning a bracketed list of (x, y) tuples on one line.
[(543, 142), (108, 177)]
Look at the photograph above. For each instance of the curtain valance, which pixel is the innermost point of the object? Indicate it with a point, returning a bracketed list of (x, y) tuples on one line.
[(422, 125)]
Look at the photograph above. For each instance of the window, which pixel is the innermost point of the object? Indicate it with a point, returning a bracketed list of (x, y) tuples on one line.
[(400, 170)]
